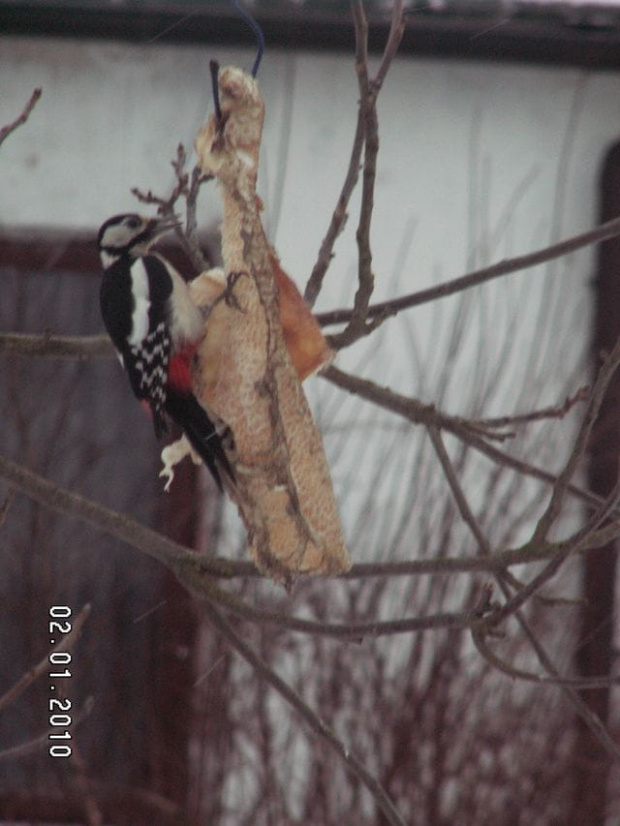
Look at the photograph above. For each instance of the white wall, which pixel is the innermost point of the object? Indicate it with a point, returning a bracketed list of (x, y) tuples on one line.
[(111, 116), (478, 162)]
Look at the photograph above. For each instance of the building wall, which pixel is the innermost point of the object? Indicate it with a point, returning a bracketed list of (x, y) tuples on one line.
[(478, 162), (459, 141)]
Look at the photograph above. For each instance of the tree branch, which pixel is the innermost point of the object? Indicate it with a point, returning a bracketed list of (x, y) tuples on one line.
[(72, 348), (199, 584), (571, 546), (110, 522), (560, 488), (592, 721), (36, 671), (188, 188), (43, 740), (385, 309), (195, 570), (426, 414), (358, 325), (22, 118), (366, 139), (514, 673), (558, 411), (351, 762), (143, 539)]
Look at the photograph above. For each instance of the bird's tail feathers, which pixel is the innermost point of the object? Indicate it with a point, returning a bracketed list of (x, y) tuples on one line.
[(200, 431)]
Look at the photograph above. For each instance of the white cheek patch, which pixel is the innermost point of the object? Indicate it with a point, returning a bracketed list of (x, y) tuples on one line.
[(140, 293), (106, 258)]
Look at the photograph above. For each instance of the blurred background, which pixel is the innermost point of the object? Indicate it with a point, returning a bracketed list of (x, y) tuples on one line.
[(498, 126)]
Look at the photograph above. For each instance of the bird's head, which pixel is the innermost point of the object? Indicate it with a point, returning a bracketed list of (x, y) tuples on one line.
[(130, 236)]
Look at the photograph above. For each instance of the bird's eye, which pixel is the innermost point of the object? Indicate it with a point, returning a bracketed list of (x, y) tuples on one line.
[(133, 223)]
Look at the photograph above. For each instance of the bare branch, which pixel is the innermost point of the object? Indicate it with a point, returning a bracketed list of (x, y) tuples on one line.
[(551, 513), (552, 412), (592, 721), (397, 27), (190, 236), (560, 488), (367, 139), (339, 216), (426, 414), (188, 188), (572, 545), (142, 538), (43, 740), (36, 671), (165, 206), (466, 512), (583, 683), (110, 522), (195, 570), (73, 348), (199, 584), (358, 325), (385, 309), (371, 148), (352, 763), (22, 118), (457, 490)]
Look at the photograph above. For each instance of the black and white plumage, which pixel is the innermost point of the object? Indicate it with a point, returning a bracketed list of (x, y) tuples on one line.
[(155, 327)]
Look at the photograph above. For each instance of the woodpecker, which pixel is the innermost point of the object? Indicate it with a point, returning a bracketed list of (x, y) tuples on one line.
[(155, 328)]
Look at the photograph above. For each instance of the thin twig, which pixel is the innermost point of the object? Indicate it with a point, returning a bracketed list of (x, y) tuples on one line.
[(580, 683), (367, 124), (395, 36), (190, 236), (41, 667), (74, 348), (385, 309), (143, 539), (592, 721), (6, 506), (457, 490), (368, 107), (351, 762), (558, 411), (22, 118), (110, 522), (369, 88), (484, 546), (426, 414), (366, 140), (560, 488), (90, 804), (571, 546), (188, 188), (42, 740), (203, 587), (339, 217)]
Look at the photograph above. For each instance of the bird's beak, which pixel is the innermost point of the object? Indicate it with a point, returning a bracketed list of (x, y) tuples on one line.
[(159, 226)]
